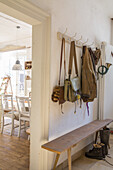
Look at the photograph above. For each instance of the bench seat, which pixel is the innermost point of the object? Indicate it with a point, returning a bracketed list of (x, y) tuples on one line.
[(69, 140)]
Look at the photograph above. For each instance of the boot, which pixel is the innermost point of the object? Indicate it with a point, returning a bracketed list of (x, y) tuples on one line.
[(104, 138), (95, 153), (103, 149)]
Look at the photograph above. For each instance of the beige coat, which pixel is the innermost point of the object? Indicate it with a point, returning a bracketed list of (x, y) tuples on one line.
[(88, 79)]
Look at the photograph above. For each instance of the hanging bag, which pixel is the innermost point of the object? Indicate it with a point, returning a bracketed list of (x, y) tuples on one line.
[(58, 91), (72, 86)]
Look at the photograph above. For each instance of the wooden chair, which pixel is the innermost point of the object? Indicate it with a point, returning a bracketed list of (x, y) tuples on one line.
[(24, 110), (28, 133), (7, 111)]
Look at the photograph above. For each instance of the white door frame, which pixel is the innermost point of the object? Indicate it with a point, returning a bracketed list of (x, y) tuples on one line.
[(40, 21)]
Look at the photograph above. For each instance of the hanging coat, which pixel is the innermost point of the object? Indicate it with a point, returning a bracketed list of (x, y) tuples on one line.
[(88, 78)]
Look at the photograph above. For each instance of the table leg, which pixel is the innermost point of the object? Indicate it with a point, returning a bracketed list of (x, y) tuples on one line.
[(96, 136), (56, 160), (69, 158)]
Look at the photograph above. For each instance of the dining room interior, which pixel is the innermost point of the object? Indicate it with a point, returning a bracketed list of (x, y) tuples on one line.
[(15, 77), (15, 92)]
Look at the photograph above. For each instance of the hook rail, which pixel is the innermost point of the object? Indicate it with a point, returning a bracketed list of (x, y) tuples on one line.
[(68, 39)]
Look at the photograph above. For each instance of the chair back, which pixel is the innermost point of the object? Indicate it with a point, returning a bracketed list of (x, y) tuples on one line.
[(23, 104), (7, 102)]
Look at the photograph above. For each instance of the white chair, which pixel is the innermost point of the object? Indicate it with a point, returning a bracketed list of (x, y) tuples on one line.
[(7, 111), (24, 109)]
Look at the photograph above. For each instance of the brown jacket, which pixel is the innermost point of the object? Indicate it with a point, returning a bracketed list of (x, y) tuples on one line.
[(88, 79)]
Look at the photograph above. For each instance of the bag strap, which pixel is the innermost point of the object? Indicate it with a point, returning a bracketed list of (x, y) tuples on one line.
[(72, 54), (61, 56)]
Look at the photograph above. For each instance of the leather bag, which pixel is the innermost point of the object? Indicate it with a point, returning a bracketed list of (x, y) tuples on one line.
[(72, 86), (58, 91)]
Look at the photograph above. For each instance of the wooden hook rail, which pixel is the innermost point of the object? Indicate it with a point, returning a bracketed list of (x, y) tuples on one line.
[(68, 39)]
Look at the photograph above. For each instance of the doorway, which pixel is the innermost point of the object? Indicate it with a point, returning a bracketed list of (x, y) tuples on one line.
[(40, 22), (15, 79)]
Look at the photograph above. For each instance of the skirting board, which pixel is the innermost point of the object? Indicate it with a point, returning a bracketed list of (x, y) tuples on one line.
[(74, 157)]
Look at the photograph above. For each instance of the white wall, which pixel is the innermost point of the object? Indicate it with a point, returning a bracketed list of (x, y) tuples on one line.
[(108, 89), (108, 94), (88, 19)]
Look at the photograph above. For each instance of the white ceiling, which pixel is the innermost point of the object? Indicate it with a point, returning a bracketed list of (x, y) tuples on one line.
[(10, 35)]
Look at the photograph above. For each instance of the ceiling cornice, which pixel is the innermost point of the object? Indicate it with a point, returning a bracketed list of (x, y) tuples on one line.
[(27, 8)]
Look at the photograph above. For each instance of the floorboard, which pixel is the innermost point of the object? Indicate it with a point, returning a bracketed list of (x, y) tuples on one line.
[(14, 151)]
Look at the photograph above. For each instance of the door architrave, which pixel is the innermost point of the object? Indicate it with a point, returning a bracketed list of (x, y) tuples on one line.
[(40, 21)]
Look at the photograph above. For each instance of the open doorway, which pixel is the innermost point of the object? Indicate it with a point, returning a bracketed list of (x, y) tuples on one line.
[(15, 79), (40, 22), (15, 91)]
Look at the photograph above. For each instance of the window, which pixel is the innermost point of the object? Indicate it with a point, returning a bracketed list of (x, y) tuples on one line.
[(7, 60)]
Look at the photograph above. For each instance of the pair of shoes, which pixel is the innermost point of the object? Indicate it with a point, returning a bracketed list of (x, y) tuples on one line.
[(104, 138), (98, 152), (103, 149)]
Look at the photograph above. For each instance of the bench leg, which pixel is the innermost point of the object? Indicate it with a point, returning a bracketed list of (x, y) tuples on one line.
[(96, 136), (69, 158), (57, 158)]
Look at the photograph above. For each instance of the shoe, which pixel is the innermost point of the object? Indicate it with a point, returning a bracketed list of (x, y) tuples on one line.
[(104, 138), (103, 149), (95, 153)]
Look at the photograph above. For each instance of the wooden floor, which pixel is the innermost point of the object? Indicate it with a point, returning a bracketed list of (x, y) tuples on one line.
[(14, 151), (7, 130)]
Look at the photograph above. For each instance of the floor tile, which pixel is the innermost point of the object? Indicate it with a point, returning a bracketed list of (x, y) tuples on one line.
[(84, 163), (100, 167), (110, 160), (73, 168)]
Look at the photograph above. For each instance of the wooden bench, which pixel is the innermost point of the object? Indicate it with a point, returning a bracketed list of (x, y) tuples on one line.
[(71, 139)]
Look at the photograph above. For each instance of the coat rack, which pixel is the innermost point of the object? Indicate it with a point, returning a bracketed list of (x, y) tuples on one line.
[(68, 39)]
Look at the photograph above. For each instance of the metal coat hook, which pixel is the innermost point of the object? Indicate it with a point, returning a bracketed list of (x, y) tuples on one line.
[(79, 39), (91, 44), (64, 32), (85, 42), (74, 35)]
